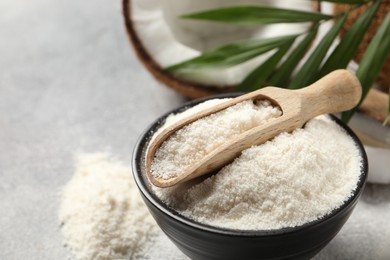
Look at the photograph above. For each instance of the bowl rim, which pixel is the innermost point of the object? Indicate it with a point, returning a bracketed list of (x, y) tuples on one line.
[(144, 138)]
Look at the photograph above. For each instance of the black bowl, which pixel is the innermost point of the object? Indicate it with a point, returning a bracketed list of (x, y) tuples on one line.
[(200, 241)]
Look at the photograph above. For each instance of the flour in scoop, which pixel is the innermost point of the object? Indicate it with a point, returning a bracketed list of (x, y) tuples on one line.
[(290, 180), (194, 141)]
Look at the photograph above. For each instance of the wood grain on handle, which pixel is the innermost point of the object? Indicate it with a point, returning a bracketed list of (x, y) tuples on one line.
[(336, 92)]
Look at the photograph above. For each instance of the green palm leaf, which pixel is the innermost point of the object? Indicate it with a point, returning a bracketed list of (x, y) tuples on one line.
[(245, 15), (372, 61), (282, 76), (349, 44), (257, 77), (315, 67), (309, 71), (231, 54)]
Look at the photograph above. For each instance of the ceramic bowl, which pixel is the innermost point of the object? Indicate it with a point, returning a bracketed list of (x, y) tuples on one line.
[(200, 241)]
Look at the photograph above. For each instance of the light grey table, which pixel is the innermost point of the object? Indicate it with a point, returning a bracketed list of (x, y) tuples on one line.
[(70, 82)]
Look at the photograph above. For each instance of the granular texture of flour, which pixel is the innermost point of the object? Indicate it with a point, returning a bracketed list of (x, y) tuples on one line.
[(290, 180), (102, 214), (196, 140)]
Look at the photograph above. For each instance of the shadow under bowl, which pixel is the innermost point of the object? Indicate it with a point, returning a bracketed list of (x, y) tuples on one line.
[(201, 241)]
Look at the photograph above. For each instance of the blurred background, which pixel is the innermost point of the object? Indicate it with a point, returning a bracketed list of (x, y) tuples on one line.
[(69, 82)]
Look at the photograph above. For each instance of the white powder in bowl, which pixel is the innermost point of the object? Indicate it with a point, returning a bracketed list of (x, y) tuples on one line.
[(196, 140), (102, 212), (288, 181)]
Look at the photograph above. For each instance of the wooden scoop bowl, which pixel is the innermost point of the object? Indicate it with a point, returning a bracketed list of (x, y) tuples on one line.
[(336, 92)]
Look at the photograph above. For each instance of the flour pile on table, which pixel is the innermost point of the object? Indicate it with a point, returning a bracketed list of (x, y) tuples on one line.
[(102, 214)]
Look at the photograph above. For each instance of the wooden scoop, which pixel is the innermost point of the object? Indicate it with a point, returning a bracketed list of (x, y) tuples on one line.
[(336, 92)]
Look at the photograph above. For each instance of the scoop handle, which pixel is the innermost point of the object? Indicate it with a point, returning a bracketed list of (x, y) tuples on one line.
[(339, 91)]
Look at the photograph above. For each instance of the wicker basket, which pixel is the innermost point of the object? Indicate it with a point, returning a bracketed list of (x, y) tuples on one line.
[(383, 79)]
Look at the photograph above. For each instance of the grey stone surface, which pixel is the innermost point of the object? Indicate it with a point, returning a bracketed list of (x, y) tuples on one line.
[(70, 82)]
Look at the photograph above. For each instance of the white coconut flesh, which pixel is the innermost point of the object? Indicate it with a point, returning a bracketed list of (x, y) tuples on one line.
[(169, 40)]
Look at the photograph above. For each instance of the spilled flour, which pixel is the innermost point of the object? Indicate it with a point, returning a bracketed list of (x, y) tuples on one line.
[(102, 214)]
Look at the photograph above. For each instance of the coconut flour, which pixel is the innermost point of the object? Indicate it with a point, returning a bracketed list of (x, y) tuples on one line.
[(290, 180), (196, 140), (102, 213)]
